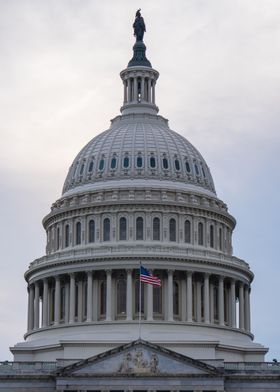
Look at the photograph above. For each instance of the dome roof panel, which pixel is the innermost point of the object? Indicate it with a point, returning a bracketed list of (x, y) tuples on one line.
[(139, 146)]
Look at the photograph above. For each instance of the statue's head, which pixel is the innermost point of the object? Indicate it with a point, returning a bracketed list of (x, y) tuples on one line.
[(138, 13)]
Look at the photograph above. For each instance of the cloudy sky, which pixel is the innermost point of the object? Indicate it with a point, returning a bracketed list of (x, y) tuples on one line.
[(219, 64)]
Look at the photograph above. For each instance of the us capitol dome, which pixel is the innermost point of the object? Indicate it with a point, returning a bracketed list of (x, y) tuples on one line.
[(139, 192)]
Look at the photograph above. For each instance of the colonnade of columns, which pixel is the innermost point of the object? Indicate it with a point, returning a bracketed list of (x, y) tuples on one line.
[(139, 89), (96, 295)]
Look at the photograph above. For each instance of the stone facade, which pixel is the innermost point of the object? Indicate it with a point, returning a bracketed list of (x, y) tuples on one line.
[(139, 193)]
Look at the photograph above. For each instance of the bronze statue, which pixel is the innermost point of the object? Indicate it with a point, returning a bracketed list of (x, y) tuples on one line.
[(139, 26)]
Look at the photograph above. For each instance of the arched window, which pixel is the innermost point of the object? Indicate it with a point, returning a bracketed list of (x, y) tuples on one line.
[(177, 164), (62, 303), (165, 163), (175, 298), (82, 169), (106, 229), (84, 300), (187, 231), (211, 236), (78, 233), (188, 168), (113, 163), (203, 171), (157, 300), (152, 162), (216, 304), (125, 162), (67, 236), (121, 297), (139, 161), (200, 234), (220, 239), (136, 296), (196, 169), (57, 238), (90, 168), (91, 231), (172, 230), (139, 228), (156, 229), (102, 299), (122, 231), (101, 165)]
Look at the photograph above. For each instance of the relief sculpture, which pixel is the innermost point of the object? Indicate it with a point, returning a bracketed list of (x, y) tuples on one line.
[(138, 363)]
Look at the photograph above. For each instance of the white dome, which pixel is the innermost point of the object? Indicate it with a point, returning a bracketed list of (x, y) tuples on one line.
[(138, 147)]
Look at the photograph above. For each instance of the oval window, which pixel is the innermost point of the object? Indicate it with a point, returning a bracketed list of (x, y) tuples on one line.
[(101, 164), (82, 169), (165, 163), (139, 162), (90, 169), (113, 163), (203, 172), (196, 169), (177, 164), (152, 162), (188, 167), (126, 162)]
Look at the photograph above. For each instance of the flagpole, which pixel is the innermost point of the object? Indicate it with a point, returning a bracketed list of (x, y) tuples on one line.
[(140, 301)]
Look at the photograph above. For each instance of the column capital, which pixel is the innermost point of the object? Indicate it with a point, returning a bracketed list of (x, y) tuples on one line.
[(89, 272), (171, 271), (129, 270), (189, 273), (108, 271)]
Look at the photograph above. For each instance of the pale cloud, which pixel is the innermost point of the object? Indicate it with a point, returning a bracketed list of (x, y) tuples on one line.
[(219, 86)]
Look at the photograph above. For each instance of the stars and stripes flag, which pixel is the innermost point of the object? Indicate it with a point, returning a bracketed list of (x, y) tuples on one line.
[(147, 277)]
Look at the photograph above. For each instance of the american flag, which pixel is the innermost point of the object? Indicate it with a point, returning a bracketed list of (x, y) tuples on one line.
[(147, 277)]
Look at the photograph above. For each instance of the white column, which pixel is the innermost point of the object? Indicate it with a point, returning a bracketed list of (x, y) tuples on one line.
[(170, 295), (221, 301), (80, 300), (89, 296), (247, 309), (241, 305), (124, 91), (31, 308), (206, 299), (153, 92), (129, 89), (149, 90), (108, 295), (45, 303), (36, 306), (198, 301), (135, 92), (129, 295), (149, 302), (189, 297), (72, 299), (57, 301), (142, 89), (211, 303), (183, 299), (95, 298), (233, 303)]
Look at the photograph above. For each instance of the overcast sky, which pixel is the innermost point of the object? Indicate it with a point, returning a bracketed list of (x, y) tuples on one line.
[(219, 86)]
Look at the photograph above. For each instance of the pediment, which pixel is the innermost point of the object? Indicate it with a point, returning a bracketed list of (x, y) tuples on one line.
[(139, 358)]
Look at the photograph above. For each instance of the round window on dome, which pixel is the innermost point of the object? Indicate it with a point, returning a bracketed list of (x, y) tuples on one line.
[(126, 162), (139, 162), (152, 162), (165, 163), (113, 163), (101, 165)]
